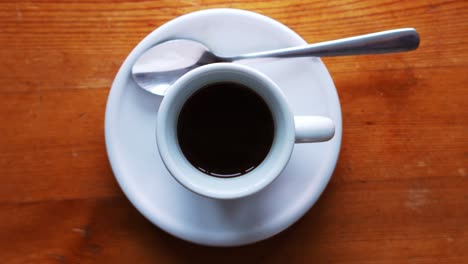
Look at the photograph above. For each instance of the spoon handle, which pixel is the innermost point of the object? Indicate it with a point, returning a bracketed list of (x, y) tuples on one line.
[(396, 40)]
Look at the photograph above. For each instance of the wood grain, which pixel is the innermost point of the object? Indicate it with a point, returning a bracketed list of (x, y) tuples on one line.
[(400, 190)]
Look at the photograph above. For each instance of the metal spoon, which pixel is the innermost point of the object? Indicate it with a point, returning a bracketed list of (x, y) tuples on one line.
[(161, 65)]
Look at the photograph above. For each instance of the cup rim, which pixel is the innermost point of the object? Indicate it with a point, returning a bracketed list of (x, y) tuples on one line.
[(204, 184)]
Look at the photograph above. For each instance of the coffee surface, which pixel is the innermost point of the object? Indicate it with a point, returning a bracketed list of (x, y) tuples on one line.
[(225, 129)]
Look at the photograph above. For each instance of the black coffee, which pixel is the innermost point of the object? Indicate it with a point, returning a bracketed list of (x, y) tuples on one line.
[(225, 129)]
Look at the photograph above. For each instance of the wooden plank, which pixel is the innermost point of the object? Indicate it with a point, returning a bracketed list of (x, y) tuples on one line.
[(391, 131), (352, 223), (50, 45)]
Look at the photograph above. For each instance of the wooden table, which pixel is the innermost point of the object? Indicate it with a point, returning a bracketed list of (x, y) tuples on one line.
[(400, 190)]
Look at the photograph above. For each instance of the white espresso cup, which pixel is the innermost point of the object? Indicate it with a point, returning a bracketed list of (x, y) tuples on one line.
[(289, 129)]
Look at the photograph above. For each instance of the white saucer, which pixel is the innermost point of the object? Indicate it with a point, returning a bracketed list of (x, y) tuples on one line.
[(132, 150)]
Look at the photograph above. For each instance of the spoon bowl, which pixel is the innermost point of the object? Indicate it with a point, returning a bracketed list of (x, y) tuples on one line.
[(161, 65)]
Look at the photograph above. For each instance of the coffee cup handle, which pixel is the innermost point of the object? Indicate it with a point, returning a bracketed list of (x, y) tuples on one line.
[(313, 129)]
